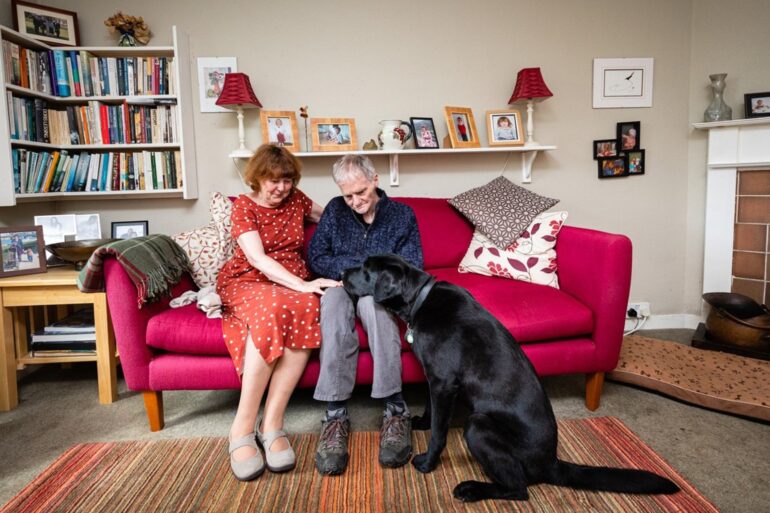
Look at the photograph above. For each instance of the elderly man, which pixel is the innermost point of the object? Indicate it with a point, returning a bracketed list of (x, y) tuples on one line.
[(360, 223)]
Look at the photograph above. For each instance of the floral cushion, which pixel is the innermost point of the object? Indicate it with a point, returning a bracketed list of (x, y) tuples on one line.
[(531, 257), (210, 246), (501, 210)]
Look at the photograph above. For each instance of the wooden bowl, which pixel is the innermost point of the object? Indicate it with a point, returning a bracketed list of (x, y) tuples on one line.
[(77, 251)]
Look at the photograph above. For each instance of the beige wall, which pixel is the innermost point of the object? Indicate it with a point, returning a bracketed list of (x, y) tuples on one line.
[(402, 58)]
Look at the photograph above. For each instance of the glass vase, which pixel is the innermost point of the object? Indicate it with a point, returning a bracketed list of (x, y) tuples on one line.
[(718, 110), (126, 40)]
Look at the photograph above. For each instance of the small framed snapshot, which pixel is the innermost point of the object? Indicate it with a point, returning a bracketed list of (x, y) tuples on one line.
[(211, 78), (129, 229), (57, 228), (757, 105), (48, 24), (605, 148), (635, 162), (279, 127), (462, 127), (629, 135), (620, 83), (613, 167), (504, 128), (424, 131), (22, 250), (334, 134), (88, 227)]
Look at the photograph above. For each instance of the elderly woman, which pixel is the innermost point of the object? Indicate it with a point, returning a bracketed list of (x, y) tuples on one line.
[(270, 311)]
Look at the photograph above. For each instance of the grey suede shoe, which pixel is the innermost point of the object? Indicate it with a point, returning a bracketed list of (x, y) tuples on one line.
[(250, 468), (277, 461)]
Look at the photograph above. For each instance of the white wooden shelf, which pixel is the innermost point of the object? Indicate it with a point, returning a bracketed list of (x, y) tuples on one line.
[(732, 123), (528, 154), (149, 99), (66, 196), (96, 147)]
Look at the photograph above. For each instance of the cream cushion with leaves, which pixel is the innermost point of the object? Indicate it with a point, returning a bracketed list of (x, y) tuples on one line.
[(209, 246), (531, 257)]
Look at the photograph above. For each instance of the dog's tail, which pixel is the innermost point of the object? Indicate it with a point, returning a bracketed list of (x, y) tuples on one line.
[(607, 479)]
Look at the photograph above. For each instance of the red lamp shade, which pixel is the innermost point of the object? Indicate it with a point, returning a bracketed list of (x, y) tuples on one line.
[(529, 85), (237, 91)]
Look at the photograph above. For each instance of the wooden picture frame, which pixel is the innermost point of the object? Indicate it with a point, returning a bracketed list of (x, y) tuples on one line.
[(22, 250), (461, 127), (605, 148), (279, 127), (504, 128), (613, 167), (757, 105), (51, 25), (636, 162), (334, 134), (629, 135), (424, 133), (129, 229)]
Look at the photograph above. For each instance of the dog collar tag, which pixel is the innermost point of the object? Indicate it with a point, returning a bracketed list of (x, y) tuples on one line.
[(409, 335)]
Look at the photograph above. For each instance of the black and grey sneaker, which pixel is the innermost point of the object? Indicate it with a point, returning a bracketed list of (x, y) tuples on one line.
[(395, 437), (331, 457)]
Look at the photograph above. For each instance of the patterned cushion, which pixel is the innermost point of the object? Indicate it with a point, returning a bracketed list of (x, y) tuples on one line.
[(210, 246), (530, 258), (501, 210)]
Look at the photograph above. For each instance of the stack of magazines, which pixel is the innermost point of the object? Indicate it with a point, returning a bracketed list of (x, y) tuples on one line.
[(73, 335)]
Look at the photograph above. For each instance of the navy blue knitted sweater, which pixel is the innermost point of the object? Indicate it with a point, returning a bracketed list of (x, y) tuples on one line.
[(343, 241)]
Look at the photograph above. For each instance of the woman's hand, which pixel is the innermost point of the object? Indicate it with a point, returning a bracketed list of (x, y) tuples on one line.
[(318, 285)]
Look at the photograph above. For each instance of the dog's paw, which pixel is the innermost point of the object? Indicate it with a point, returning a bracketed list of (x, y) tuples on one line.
[(468, 491), (422, 464), (472, 491), (420, 423)]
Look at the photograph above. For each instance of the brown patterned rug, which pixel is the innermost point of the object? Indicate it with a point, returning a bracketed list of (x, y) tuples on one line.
[(193, 475), (716, 380)]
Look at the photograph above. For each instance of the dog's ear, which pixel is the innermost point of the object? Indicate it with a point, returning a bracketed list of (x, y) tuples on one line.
[(386, 286)]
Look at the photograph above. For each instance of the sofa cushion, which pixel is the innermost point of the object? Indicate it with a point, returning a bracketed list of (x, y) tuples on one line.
[(444, 233), (530, 258), (501, 210), (530, 312), (186, 330)]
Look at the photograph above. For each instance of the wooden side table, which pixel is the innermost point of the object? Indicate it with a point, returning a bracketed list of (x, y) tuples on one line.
[(55, 287)]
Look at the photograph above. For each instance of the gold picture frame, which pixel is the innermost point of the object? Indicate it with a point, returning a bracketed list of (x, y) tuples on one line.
[(504, 128), (275, 130), (334, 134), (462, 127)]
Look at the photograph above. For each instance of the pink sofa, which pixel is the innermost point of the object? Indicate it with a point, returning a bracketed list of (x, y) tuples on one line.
[(577, 329)]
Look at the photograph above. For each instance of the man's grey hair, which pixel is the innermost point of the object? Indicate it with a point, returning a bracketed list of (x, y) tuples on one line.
[(346, 168)]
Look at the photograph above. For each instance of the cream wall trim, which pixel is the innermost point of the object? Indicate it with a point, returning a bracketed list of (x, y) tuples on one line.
[(665, 322)]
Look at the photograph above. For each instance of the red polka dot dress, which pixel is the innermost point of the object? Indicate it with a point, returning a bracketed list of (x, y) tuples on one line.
[(276, 316)]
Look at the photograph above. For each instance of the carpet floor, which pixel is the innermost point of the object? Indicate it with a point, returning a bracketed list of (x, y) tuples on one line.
[(186, 475)]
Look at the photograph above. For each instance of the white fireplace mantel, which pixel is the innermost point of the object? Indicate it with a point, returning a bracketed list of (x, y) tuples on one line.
[(741, 144)]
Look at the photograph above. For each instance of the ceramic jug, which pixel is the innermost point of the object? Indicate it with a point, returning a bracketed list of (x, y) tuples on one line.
[(394, 134)]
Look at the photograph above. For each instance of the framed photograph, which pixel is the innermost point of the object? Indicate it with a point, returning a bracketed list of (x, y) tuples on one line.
[(129, 229), (629, 135), (334, 134), (504, 128), (424, 133), (211, 78), (635, 162), (22, 250), (613, 167), (57, 228), (279, 127), (605, 148), (462, 127), (622, 83), (48, 24), (757, 105), (88, 226)]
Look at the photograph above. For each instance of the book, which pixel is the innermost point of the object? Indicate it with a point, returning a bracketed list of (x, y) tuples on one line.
[(55, 336), (81, 321), (62, 352)]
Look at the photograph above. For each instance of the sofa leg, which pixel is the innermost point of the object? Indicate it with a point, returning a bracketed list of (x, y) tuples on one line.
[(153, 403), (594, 383)]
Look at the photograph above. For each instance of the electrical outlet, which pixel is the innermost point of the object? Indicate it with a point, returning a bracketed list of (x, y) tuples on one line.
[(640, 309)]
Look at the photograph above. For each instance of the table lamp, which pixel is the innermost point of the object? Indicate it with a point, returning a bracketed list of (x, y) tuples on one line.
[(530, 86), (237, 95)]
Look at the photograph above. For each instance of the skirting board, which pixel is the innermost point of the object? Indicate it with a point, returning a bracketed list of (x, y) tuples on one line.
[(665, 322)]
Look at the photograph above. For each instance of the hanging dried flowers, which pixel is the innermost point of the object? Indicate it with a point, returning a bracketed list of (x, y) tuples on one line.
[(132, 29)]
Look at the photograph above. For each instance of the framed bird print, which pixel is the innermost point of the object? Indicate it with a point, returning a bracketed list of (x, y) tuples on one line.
[(622, 83)]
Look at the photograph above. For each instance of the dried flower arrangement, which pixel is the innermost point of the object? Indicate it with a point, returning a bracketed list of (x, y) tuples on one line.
[(132, 29)]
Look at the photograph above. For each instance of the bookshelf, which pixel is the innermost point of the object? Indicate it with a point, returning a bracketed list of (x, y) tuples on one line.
[(111, 123)]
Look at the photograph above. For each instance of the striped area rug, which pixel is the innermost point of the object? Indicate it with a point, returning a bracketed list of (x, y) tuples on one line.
[(192, 475)]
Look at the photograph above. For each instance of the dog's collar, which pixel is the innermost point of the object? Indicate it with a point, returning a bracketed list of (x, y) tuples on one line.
[(421, 296)]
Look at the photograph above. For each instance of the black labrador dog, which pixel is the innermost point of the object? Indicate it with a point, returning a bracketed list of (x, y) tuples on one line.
[(467, 354)]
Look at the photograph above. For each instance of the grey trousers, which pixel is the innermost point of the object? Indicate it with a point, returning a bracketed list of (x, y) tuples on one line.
[(339, 347)]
